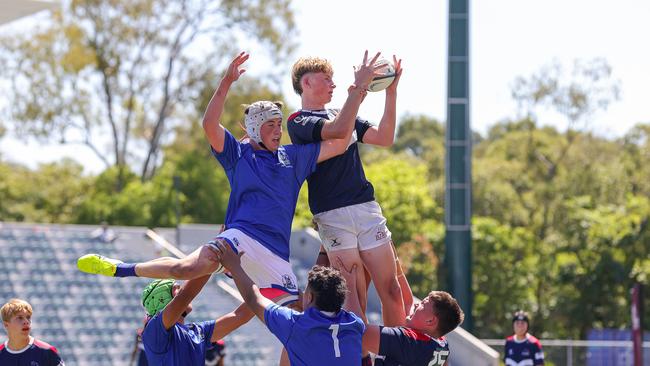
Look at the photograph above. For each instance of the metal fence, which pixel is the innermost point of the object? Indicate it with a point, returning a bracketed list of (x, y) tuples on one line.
[(560, 352)]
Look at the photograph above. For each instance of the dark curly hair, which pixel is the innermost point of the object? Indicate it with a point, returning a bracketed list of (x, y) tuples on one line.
[(446, 308), (328, 287)]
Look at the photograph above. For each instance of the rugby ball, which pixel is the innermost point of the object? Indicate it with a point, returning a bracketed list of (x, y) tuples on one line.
[(386, 78)]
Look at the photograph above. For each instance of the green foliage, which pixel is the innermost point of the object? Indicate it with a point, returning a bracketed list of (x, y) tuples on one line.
[(604, 253), (504, 259), (52, 193), (404, 194), (128, 72), (422, 258)]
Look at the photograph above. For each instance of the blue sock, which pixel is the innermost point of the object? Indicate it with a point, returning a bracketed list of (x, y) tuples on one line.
[(125, 270)]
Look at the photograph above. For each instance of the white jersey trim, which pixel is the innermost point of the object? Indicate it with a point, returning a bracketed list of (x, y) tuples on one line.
[(31, 341)]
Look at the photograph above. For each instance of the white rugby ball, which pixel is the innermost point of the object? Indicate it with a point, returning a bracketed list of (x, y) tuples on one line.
[(386, 78)]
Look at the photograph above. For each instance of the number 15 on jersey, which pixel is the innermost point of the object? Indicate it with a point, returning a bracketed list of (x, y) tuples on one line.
[(439, 358)]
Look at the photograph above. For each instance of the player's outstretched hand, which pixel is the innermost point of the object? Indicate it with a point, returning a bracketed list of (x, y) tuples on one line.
[(398, 74), (234, 69), (364, 73), (229, 258)]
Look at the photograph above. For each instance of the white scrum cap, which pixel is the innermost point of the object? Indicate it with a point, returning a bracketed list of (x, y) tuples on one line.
[(258, 113)]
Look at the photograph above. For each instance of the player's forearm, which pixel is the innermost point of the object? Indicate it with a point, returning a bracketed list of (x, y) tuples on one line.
[(386, 128), (215, 107), (231, 321), (249, 291), (343, 124), (352, 303), (179, 303), (194, 286), (407, 293)]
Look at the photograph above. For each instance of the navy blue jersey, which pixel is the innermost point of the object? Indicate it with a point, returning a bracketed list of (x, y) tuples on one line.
[(182, 344), (37, 353), (523, 353), (339, 181), (313, 338), (264, 189), (401, 346)]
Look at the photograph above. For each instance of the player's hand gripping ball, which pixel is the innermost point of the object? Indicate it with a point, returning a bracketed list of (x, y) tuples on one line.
[(386, 78)]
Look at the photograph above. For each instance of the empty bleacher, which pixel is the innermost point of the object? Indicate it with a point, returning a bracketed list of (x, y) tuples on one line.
[(92, 320)]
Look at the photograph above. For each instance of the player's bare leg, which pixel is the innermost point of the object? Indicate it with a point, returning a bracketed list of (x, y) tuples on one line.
[(351, 257), (380, 263), (199, 263)]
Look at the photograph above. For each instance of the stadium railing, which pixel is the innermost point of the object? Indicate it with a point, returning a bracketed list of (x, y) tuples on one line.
[(582, 352)]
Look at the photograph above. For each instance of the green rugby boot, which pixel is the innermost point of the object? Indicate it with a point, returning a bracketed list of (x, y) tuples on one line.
[(98, 264)]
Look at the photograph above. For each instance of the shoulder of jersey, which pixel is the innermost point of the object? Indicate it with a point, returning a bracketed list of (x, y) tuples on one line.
[(534, 340), (294, 115), (45, 345), (298, 116), (414, 334)]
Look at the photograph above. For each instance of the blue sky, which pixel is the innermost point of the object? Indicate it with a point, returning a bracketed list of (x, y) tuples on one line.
[(509, 38)]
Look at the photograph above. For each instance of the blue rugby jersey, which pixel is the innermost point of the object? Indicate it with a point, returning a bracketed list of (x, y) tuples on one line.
[(523, 353), (264, 189), (35, 353), (315, 339), (339, 181), (401, 346), (180, 345)]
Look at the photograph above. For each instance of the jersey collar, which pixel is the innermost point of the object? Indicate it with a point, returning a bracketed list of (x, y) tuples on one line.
[(31, 341)]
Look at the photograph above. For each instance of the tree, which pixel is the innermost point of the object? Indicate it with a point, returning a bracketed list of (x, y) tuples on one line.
[(636, 147), (52, 193), (404, 194), (204, 189), (503, 262), (604, 251), (126, 72)]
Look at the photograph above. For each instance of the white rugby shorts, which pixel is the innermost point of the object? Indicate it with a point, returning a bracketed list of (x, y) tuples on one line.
[(272, 274), (359, 226)]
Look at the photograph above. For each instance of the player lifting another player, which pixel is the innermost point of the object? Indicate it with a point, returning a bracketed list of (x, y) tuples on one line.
[(265, 178), (350, 222)]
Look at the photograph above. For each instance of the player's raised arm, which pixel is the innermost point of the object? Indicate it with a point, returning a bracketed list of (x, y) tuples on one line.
[(407, 293), (384, 133), (363, 75), (370, 342), (214, 130), (343, 124), (247, 288), (178, 305)]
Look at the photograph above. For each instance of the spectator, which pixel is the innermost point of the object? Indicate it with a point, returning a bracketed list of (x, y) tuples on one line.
[(522, 348), (104, 233), (21, 348)]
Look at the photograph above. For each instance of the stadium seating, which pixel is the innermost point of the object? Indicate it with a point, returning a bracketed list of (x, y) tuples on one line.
[(92, 320)]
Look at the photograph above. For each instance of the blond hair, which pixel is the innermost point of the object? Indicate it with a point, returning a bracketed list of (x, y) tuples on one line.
[(306, 65), (13, 307)]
